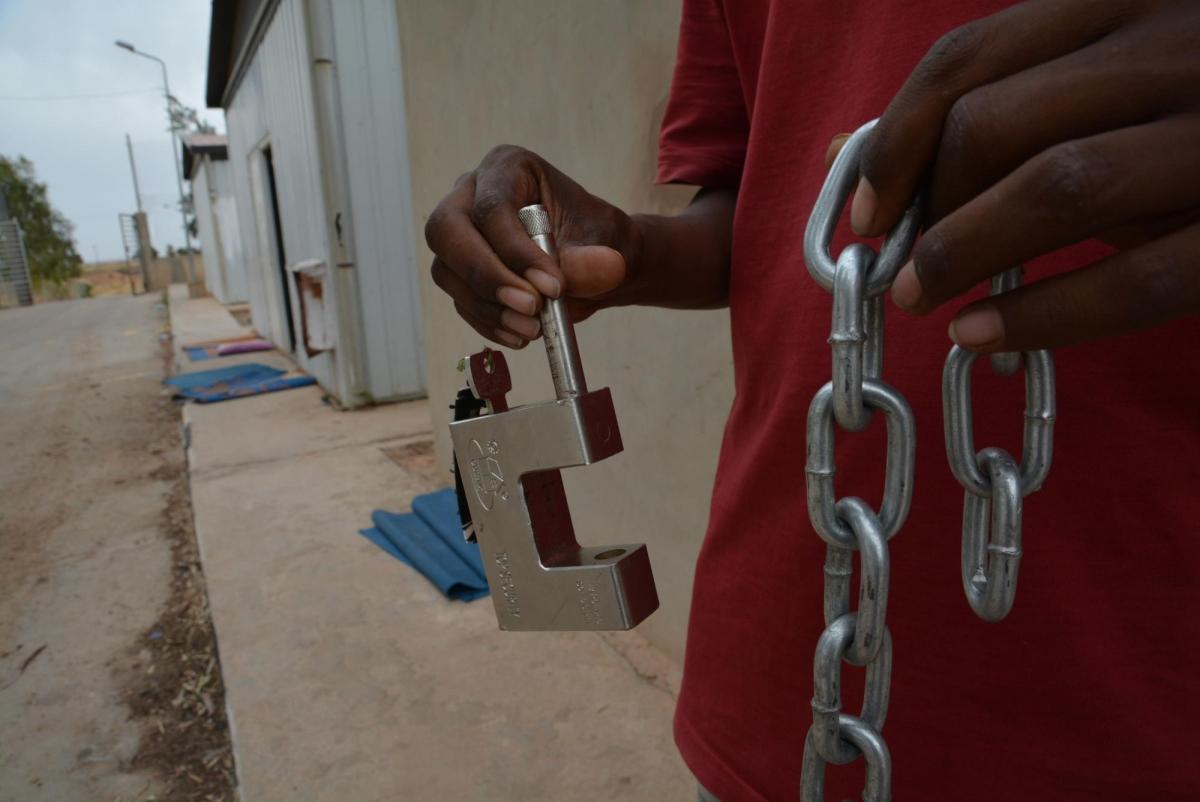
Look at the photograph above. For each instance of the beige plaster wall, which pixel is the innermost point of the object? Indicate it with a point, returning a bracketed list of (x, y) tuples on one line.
[(584, 83)]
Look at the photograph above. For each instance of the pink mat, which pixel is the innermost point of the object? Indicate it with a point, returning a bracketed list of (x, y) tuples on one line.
[(244, 347)]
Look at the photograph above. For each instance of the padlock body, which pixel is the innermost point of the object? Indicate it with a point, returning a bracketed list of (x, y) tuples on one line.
[(539, 575)]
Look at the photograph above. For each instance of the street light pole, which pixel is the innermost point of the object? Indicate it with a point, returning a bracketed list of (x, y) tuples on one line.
[(187, 234)]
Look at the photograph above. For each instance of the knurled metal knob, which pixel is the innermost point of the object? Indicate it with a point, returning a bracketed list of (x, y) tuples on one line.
[(535, 219)]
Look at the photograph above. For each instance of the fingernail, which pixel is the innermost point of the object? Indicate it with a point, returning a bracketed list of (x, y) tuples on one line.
[(511, 340), (862, 210), (978, 328), (527, 327), (906, 289), (835, 147), (517, 300), (546, 284)]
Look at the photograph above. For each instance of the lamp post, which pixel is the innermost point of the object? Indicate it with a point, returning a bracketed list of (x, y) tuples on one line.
[(187, 235)]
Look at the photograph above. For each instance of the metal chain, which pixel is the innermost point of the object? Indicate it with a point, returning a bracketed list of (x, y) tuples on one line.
[(994, 485), (857, 278)]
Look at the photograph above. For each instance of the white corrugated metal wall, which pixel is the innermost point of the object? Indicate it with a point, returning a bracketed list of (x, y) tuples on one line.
[(369, 71), (223, 209), (210, 246), (273, 107), (216, 219)]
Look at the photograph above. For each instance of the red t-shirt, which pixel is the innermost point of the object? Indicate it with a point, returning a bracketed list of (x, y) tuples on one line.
[(1090, 689)]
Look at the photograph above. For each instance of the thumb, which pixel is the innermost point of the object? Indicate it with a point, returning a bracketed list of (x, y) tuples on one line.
[(591, 270)]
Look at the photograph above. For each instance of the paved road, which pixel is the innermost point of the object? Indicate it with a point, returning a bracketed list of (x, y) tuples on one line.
[(87, 458)]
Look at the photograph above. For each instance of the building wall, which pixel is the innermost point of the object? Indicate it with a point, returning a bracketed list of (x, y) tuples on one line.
[(210, 243), (273, 105), (373, 123), (223, 209), (339, 155), (584, 84)]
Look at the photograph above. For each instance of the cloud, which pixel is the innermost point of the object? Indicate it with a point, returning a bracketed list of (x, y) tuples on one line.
[(66, 48)]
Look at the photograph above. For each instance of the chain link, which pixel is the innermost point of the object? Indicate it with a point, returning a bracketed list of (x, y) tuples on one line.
[(820, 468), (989, 564), (857, 278), (995, 486), (1008, 362)]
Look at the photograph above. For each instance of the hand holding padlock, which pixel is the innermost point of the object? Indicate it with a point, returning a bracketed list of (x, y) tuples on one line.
[(509, 462)]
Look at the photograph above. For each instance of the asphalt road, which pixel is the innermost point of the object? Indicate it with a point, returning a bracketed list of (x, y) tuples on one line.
[(88, 452)]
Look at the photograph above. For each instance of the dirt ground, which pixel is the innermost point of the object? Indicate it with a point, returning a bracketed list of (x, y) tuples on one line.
[(110, 685)]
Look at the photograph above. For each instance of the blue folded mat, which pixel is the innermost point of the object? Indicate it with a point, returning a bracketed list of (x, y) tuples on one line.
[(430, 540), (198, 353), (235, 381)]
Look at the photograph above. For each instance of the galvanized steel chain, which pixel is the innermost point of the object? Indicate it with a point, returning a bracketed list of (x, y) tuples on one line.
[(994, 485), (857, 278)]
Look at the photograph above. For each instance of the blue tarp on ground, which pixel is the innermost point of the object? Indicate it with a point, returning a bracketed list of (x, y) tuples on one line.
[(199, 352), (235, 381), (430, 540)]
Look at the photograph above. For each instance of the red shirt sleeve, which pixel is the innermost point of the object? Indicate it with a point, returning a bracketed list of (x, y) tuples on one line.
[(706, 127)]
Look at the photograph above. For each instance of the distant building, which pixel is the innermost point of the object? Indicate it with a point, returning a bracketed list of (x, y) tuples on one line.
[(319, 173), (206, 165)]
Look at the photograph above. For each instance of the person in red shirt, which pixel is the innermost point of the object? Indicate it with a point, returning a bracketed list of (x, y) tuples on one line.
[(1060, 135)]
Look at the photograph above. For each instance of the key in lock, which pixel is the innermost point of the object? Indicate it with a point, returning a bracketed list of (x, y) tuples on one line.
[(509, 462)]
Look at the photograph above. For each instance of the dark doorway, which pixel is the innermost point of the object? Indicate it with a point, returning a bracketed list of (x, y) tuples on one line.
[(280, 255)]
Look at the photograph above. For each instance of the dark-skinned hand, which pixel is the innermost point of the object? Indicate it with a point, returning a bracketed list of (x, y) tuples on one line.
[(495, 273), (1046, 124)]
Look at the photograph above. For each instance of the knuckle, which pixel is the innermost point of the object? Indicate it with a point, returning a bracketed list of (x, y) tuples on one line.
[(435, 225), (932, 262), (1065, 184), (1168, 288), (961, 132), (509, 157), (951, 54), (488, 202), (499, 153), (437, 271)]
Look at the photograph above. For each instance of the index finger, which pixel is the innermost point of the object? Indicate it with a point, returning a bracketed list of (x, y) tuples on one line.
[(904, 142), (452, 235), (495, 215)]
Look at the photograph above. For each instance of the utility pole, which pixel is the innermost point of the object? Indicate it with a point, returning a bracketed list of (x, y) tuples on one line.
[(175, 156), (137, 193), (141, 226)]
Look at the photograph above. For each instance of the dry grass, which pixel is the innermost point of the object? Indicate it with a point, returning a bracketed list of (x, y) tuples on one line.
[(174, 686)]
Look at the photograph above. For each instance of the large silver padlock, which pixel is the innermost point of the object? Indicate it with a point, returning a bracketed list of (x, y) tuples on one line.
[(509, 462)]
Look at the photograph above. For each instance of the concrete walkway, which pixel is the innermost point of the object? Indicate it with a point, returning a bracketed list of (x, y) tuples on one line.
[(348, 677)]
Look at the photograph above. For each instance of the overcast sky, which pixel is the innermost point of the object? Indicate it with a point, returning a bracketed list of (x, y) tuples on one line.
[(53, 49)]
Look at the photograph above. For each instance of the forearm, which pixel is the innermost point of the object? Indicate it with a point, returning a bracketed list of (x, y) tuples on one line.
[(683, 260)]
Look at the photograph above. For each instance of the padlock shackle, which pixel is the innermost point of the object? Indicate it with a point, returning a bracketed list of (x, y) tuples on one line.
[(558, 332)]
